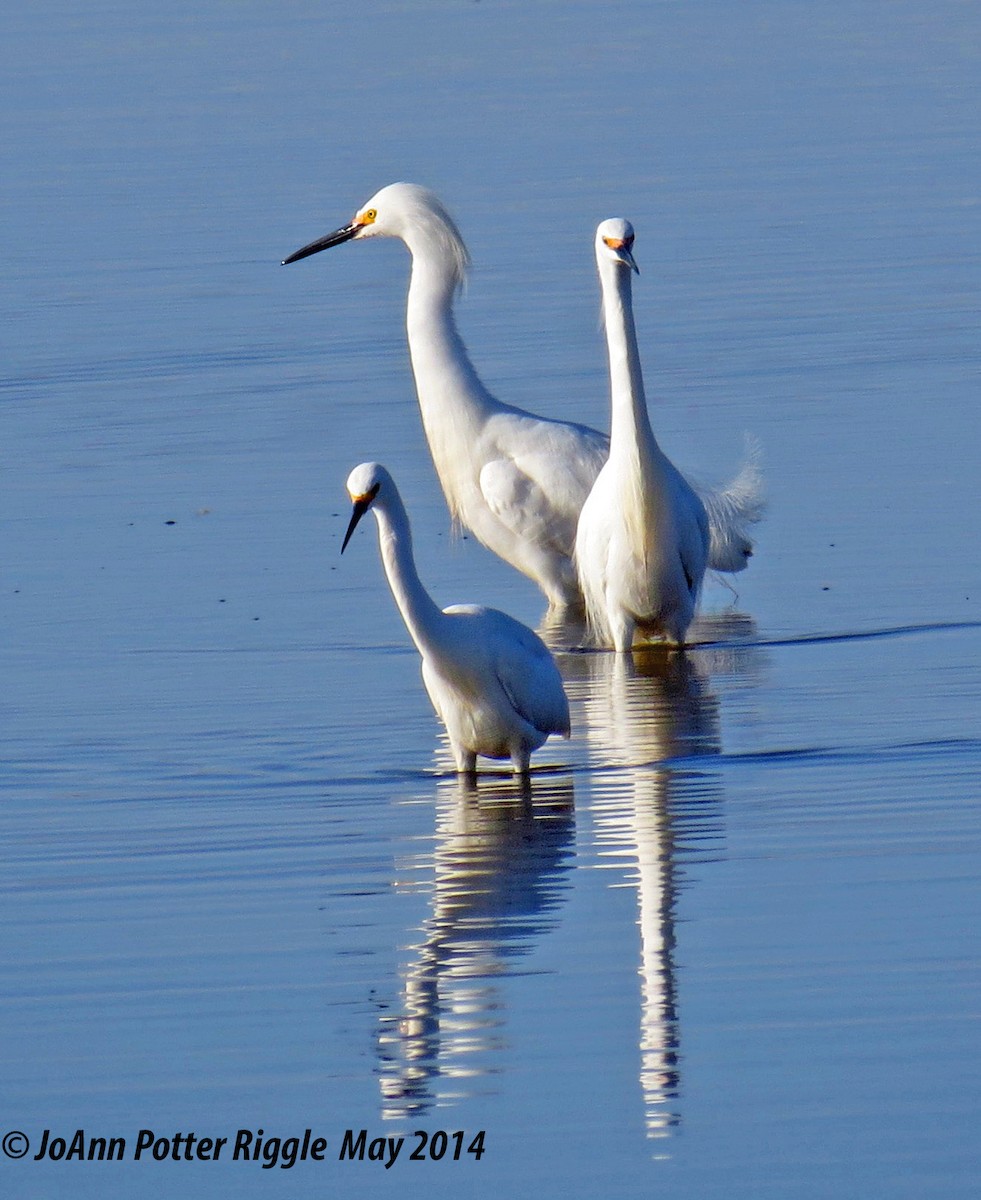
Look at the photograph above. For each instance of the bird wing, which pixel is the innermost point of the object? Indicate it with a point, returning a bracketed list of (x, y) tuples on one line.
[(538, 475), (537, 482), (731, 509), (694, 536), (524, 667)]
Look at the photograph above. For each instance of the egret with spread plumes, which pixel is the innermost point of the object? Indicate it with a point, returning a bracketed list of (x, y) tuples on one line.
[(492, 680), (518, 481), (643, 536)]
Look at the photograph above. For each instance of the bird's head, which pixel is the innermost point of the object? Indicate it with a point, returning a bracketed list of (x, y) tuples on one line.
[(614, 243), (402, 210), (363, 486)]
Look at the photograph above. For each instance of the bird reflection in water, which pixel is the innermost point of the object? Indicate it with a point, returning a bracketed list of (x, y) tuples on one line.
[(650, 716), (502, 857)]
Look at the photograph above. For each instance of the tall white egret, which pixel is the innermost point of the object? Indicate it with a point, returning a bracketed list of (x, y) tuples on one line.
[(517, 480), (643, 536), (492, 681)]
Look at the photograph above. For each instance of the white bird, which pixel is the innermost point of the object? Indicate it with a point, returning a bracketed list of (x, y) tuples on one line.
[(517, 480), (492, 681), (643, 536)]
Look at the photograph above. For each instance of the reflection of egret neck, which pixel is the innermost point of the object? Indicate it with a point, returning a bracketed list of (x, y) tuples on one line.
[(498, 875), (642, 709), (652, 833)]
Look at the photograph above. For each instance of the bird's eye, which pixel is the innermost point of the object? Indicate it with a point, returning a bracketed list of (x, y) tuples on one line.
[(371, 214)]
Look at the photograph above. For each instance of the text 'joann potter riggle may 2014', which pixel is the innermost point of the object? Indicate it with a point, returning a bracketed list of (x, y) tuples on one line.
[(246, 1145)]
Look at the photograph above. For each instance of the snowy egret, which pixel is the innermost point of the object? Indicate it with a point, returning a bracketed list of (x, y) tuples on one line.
[(517, 480), (643, 536), (492, 681)]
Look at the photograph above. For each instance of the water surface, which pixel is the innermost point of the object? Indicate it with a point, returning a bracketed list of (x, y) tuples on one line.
[(726, 945)]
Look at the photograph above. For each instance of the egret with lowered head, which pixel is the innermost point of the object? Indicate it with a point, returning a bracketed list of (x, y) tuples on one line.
[(492, 680), (517, 480)]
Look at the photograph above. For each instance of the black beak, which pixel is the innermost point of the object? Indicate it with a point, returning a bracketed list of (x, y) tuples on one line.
[(324, 243), (361, 506), (627, 258)]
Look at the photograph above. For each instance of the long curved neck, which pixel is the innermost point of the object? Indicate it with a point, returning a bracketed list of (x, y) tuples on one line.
[(453, 402), (421, 615), (630, 424)]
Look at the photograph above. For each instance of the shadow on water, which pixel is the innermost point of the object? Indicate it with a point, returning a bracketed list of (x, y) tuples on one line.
[(735, 630), (651, 720), (862, 635), (502, 857)]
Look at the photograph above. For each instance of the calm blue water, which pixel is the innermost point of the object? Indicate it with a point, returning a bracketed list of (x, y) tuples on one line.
[(728, 945)]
